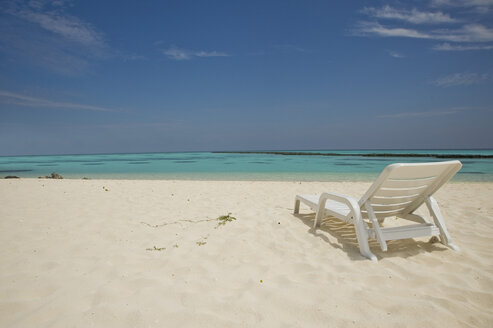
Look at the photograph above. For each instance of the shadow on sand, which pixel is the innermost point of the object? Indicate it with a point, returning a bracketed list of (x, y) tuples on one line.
[(345, 235)]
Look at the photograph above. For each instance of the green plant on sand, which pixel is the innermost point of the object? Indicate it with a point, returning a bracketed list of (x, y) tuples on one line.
[(223, 219), (156, 249)]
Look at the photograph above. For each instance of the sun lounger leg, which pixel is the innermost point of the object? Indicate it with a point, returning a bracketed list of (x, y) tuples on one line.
[(362, 235), (296, 205), (445, 238), (318, 218)]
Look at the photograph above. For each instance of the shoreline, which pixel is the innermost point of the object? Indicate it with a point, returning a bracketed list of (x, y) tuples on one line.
[(367, 181)]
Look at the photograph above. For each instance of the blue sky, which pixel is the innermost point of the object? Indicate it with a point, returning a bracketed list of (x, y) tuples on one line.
[(143, 76)]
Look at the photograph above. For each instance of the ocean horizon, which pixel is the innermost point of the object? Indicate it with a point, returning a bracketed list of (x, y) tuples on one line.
[(248, 165)]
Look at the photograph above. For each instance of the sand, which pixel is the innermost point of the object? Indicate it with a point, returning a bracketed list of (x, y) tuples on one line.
[(114, 253)]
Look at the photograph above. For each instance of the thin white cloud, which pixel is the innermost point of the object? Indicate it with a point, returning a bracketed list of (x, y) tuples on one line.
[(422, 114), (463, 3), (43, 51), (459, 79), (449, 47), (397, 24), (210, 54), (412, 16), (17, 99), (176, 53), (67, 26), (480, 6), (51, 16), (43, 34), (467, 33), (395, 54), (374, 28)]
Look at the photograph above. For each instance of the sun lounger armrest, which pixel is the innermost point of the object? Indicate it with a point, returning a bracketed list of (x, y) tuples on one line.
[(351, 202)]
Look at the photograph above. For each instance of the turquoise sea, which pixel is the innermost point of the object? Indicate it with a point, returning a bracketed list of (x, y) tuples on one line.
[(234, 166)]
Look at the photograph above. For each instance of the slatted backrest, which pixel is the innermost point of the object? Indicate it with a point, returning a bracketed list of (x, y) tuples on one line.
[(401, 188)]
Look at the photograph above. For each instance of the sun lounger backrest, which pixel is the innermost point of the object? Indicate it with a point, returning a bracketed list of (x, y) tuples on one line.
[(401, 188)]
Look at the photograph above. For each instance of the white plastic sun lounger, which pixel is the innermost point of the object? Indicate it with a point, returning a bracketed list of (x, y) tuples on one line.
[(399, 190)]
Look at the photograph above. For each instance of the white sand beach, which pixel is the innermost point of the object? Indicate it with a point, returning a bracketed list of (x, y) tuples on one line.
[(134, 253)]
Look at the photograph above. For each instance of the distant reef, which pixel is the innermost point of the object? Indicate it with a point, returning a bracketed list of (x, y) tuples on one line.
[(288, 153)]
